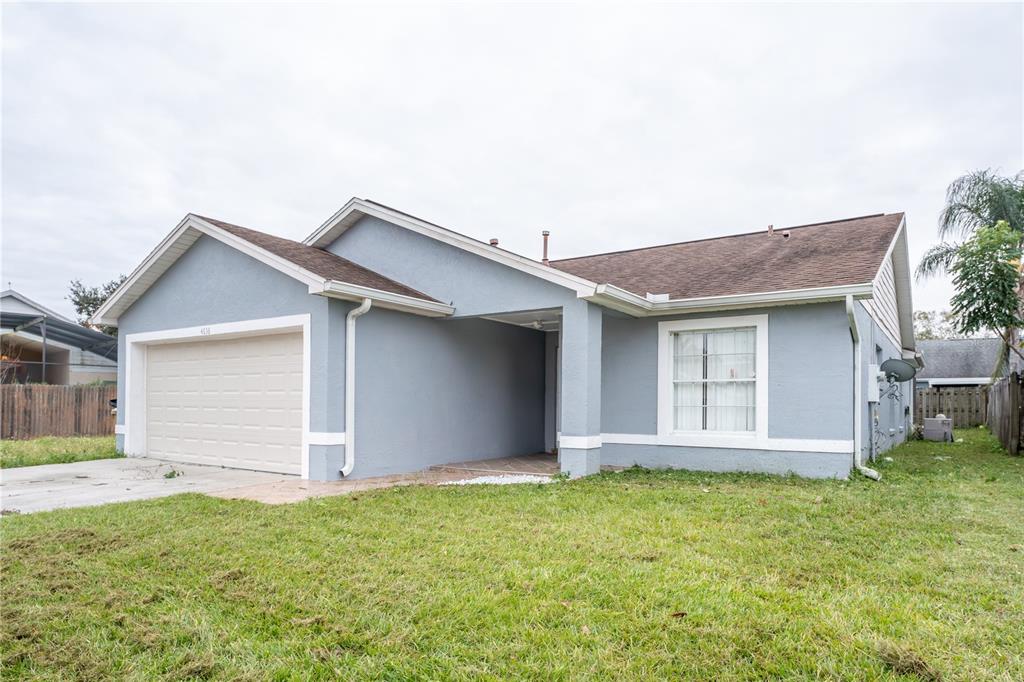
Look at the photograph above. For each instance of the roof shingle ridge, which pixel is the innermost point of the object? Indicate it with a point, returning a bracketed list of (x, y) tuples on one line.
[(221, 223), (724, 236)]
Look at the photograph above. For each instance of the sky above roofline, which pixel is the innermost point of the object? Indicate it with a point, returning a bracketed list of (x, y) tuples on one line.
[(614, 129)]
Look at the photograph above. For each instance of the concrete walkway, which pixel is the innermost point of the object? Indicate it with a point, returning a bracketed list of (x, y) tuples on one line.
[(101, 481)]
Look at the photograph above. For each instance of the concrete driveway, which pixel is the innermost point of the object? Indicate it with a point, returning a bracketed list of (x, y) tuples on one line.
[(84, 484)]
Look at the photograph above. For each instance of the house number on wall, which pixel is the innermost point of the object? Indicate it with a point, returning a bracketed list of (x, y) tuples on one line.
[(204, 331)]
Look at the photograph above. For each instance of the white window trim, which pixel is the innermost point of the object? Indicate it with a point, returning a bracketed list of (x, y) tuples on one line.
[(134, 427), (667, 435)]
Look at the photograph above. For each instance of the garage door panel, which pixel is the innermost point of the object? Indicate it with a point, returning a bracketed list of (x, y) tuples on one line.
[(234, 403)]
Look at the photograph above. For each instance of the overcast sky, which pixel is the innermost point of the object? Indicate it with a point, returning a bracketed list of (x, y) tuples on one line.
[(612, 127)]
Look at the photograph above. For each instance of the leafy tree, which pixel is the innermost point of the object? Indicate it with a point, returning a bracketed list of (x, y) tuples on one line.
[(975, 202), (934, 324), (986, 274), (87, 300)]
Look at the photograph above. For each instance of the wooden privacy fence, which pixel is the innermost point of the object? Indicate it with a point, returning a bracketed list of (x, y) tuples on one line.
[(1004, 412), (28, 411), (965, 405)]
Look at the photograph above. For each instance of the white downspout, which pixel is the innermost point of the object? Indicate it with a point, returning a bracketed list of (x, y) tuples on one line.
[(350, 385), (858, 394)]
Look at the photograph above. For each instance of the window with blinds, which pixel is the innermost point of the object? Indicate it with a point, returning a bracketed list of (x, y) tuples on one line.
[(714, 376)]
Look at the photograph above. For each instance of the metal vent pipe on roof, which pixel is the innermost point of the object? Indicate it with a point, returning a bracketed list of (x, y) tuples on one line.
[(545, 234), (494, 241)]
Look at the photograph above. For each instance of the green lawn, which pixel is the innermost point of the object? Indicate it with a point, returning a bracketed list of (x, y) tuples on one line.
[(634, 575), (55, 450)]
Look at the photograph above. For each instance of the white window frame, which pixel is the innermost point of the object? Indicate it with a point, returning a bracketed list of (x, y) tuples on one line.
[(758, 438)]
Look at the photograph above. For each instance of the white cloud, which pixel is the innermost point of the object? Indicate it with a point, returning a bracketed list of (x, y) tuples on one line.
[(612, 127)]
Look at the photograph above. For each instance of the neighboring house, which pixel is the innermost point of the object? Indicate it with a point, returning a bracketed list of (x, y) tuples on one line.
[(957, 362), (384, 343), (38, 345)]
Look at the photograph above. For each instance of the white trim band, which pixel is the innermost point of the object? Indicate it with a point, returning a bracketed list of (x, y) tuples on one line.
[(732, 442), (579, 442), (324, 437), (120, 429)]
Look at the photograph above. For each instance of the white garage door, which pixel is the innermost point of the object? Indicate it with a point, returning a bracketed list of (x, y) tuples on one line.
[(232, 403)]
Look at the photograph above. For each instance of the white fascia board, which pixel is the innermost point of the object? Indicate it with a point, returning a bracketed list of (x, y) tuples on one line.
[(386, 299), (356, 208), (946, 381), (613, 297), (900, 254), (188, 230)]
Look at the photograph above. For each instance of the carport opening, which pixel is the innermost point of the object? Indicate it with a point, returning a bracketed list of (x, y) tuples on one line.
[(531, 412)]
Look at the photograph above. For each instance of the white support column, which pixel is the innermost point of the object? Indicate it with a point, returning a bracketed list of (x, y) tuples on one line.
[(580, 442)]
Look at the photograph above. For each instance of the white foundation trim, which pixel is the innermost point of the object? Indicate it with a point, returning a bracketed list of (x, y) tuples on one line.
[(734, 443), (135, 369), (324, 438), (579, 442)]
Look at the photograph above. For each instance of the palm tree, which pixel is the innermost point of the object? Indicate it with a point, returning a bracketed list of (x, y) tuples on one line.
[(976, 200)]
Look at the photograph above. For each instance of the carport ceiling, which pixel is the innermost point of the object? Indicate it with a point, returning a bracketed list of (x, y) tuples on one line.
[(543, 320)]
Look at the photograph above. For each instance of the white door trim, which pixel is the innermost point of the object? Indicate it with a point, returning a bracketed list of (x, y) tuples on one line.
[(135, 369)]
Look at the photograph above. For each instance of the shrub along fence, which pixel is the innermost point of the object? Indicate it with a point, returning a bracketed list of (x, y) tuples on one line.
[(1004, 412), (965, 405), (30, 410)]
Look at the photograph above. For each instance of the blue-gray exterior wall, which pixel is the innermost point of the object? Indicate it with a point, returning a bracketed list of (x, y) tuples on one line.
[(810, 392), (433, 391), (809, 464), (477, 286), (472, 284), (213, 283), (894, 416), (810, 372), (550, 391), (428, 391)]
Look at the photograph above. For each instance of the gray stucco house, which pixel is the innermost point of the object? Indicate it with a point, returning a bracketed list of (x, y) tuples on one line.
[(384, 343)]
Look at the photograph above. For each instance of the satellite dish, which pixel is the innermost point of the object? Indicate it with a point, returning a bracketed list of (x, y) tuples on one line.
[(898, 370)]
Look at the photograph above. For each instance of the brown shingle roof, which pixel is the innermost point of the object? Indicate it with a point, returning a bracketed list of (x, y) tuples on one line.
[(824, 254), (318, 261)]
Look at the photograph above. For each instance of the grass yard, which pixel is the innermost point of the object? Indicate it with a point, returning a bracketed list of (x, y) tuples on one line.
[(635, 575), (55, 450)]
